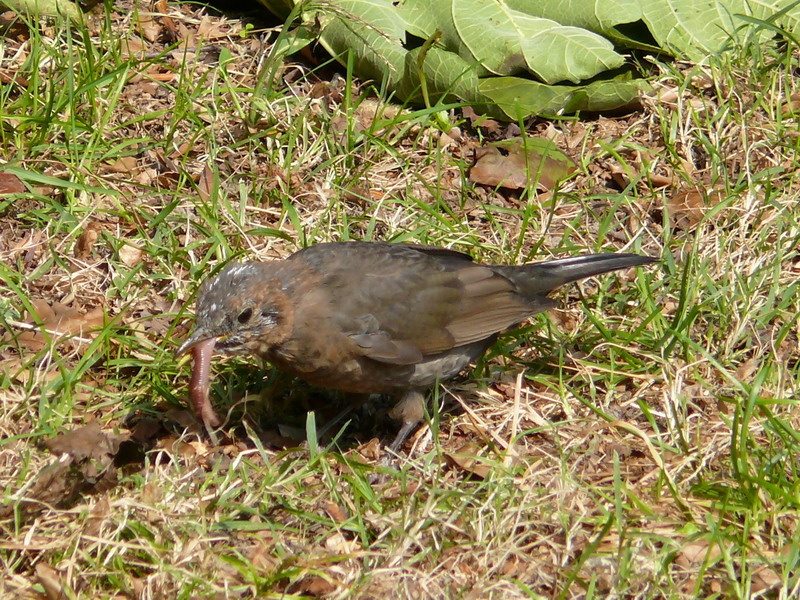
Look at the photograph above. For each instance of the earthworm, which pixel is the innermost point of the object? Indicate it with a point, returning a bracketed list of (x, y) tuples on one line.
[(198, 386)]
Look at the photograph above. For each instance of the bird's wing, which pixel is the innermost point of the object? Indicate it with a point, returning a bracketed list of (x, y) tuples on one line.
[(400, 303), (491, 303)]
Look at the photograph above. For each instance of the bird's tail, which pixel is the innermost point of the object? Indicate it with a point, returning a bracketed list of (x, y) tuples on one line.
[(534, 279)]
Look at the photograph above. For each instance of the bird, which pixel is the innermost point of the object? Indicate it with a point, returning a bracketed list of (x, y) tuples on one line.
[(373, 317)]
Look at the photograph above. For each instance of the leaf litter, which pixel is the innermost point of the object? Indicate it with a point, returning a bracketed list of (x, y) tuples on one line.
[(57, 323)]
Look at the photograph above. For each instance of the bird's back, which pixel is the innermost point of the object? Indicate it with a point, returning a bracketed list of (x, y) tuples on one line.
[(388, 316)]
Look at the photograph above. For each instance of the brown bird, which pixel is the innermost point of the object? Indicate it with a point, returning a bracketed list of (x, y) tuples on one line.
[(372, 317)]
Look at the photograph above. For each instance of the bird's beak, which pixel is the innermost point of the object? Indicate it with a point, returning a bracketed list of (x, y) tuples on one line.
[(197, 336)]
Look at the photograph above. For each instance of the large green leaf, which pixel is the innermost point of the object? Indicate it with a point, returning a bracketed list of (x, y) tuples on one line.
[(684, 28), (552, 51), (518, 97), (373, 32), (519, 42), (527, 56)]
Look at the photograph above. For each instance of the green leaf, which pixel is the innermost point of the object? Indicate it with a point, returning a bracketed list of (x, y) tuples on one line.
[(45, 8), (373, 31), (536, 47), (448, 77), (518, 97), (520, 42)]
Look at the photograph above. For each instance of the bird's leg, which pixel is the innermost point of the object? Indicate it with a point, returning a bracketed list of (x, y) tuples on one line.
[(410, 409)]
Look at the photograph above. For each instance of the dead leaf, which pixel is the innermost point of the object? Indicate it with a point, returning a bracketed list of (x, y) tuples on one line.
[(11, 184), (52, 583), (130, 255), (124, 164), (58, 321), (517, 163), (97, 516), (148, 27), (792, 106), (86, 240), (467, 459), (85, 465), (687, 208), (764, 578), (169, 25), (335, 512), (696, 553), (312, 585), (746, 369), (205, 187)]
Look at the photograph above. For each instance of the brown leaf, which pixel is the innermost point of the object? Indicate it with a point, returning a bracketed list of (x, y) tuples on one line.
[(466, 458), (148, 27), (59, 321), (11, 184), (52, 583), (124, 164), (130, 255), (695, 553), (334, 511), (312, 585), (517, 163), (97, 516), (169, 25), (765, 578), (86, 240), (205, 187), (86, 442), (792, 106), (687, 208)]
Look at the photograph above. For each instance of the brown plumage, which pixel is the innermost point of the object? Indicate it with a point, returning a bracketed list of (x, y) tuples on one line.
[(371, 317)]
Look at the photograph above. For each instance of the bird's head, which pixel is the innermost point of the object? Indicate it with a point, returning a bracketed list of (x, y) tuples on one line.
[(243, 309)]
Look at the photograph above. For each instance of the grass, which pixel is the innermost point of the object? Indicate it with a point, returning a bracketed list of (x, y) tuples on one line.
[(639, 442)]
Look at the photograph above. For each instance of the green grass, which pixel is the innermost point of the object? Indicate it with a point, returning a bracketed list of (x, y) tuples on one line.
[(640, 442)]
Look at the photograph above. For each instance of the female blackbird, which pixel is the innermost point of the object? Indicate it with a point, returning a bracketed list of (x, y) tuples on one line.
[(372, 317)]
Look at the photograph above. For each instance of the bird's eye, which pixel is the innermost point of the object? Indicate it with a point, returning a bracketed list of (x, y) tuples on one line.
[(245, 315)]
